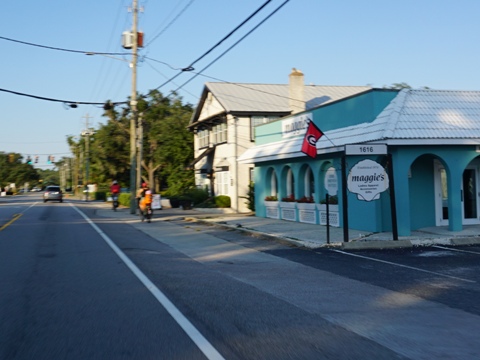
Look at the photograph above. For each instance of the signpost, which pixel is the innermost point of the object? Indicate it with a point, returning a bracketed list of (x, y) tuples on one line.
[(368, 179)]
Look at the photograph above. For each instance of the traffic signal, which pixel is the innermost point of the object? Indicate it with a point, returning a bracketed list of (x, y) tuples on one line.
[(52, 159), (29, 160), (49, 161), (11, 158), (36, 159)]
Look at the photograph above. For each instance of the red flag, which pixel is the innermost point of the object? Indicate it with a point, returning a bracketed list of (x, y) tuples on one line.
[(312, 135)]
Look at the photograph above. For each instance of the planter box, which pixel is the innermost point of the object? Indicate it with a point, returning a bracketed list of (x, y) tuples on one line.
[(271, 209), (288, 210), (332, 212), (307, 213)]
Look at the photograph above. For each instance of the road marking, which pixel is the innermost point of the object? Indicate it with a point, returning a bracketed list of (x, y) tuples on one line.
[(459, 250), (404, 266), (205, 347), (15, 218)]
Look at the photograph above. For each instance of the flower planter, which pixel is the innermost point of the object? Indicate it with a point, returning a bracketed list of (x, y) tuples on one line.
[(288, 210), (307, 213), (332, 212), (271, 209)]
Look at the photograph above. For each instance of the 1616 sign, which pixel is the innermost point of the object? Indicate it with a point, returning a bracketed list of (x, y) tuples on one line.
[(366, 149)]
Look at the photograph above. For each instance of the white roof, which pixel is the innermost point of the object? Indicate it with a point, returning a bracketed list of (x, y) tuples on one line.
[(274, 98), (413, 117), (271, 98)]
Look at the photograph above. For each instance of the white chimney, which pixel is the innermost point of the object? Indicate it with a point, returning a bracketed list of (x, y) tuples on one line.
[(296, 91)]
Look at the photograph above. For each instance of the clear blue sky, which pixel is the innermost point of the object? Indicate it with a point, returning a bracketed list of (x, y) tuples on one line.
[(343, 42)]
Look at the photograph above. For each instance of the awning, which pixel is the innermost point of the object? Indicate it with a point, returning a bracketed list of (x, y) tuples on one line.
[(285, 149)]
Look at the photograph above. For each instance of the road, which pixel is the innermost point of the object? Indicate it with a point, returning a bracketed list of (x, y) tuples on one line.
[(77, 285)]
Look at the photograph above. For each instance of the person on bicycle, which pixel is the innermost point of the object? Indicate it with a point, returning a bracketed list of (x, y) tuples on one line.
[(115, 190)]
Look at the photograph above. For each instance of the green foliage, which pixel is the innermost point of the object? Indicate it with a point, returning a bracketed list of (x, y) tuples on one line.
[(167, 144), (13, 169), (124, 199), (222, 201), (250, 196), (100, 195)]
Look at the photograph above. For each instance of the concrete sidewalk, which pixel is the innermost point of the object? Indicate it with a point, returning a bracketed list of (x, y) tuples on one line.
[(301, 234)]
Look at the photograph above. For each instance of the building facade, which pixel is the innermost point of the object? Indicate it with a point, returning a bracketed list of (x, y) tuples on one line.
[(402, 160), (224, 125)]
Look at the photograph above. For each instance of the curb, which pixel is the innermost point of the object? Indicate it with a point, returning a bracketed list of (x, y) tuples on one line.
[(377, 244)]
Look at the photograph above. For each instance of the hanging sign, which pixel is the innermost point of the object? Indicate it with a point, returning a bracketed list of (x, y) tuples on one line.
[(331, 181), (367, 179)]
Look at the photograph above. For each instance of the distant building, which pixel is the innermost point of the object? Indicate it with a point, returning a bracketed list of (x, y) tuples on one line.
[(431, 138), (224, 125)]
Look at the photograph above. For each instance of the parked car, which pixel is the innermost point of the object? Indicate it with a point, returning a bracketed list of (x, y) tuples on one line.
[(36, 188), (53, 192)]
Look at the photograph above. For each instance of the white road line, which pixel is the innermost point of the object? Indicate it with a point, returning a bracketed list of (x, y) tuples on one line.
[(205, 347), (405, 266), (459, 250)]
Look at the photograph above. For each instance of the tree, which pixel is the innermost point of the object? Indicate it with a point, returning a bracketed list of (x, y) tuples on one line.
[(167, 144), (13, 169)]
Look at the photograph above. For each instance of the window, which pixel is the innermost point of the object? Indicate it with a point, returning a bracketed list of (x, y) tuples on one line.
[(259, 120), (202, 138), (222, 182), (309, 183), (220, 133)]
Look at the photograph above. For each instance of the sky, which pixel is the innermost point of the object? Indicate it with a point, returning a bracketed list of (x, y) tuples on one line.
[(343, 42)]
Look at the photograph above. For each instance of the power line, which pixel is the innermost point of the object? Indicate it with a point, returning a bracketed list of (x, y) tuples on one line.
[(72, 104), (61, 49), (171, 22), (190, 67), (235, 44)]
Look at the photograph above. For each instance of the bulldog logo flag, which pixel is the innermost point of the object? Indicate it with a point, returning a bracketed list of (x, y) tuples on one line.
[(312, 135)]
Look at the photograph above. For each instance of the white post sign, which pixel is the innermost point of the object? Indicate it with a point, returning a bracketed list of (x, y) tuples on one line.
[(367, 179), (331, 181)]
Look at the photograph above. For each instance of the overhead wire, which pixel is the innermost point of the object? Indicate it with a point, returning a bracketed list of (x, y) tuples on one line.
[(171, 22), (235, 44), (190, 67), (62, 49)]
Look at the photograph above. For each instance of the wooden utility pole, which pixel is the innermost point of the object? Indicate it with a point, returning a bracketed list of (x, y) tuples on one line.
[(87, 134), (133, 106)]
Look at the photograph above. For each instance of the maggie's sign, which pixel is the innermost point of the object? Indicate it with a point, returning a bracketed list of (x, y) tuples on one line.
[(367, 179)]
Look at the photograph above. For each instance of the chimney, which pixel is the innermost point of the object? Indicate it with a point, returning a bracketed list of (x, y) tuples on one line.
[(296, 91)]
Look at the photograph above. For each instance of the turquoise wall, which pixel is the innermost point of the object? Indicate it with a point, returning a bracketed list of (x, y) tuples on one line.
[(352, 111)]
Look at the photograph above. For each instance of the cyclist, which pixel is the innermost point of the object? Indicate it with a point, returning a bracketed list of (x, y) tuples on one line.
[(115, 190)]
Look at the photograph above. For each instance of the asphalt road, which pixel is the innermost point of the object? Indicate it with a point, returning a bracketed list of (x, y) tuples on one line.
[(77, 285)]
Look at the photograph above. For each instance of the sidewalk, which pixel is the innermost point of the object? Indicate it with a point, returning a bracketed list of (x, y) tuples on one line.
[(305, 235)]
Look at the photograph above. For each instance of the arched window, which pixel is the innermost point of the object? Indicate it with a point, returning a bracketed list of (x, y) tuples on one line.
[(273, 184), (290, 184), (309, 183)]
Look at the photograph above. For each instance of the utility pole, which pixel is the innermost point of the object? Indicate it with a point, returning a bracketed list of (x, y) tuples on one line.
[(139, 148), (87, 134), (133, 106)]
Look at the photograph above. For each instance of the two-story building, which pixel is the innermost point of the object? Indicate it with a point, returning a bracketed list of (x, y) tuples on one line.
[(226, 116)]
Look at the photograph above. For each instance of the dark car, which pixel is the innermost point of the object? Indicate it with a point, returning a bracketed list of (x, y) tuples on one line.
[(53, 193)]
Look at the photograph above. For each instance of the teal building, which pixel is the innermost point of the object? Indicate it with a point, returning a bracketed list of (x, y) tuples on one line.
[(388, 159)]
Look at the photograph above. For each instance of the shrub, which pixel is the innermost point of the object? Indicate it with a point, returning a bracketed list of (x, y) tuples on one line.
[(222, 201), (306, 199), (99, 195), (271, 198), (289, 198), (250, 197)]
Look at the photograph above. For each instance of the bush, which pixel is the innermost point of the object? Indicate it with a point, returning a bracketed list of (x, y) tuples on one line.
[(124, 199), (197, 195), (100, 195), (222, 201)]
